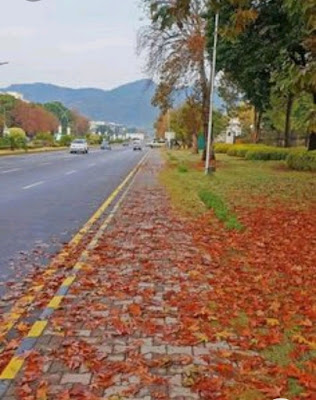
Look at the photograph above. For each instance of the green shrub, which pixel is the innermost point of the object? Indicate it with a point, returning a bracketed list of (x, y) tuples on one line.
[(65, 140), (94, 139), (44, 139), (17, 138), (222, 147), (268, 153), (239, 150), (302, 160), (5, 143)]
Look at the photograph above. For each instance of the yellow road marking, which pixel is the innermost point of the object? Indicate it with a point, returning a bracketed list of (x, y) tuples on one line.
[(12, 369), (16, 363), (16, 313), (37, 329), (55, 302), (68, 281)]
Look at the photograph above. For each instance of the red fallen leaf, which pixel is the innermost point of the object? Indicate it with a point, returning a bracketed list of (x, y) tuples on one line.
[(135, 310), (41, 393), (64, 395), (225, 369), (13, 344), (273, 392), (104, 380), (158, 396), (121, 327), (22, 327), (25, 392)]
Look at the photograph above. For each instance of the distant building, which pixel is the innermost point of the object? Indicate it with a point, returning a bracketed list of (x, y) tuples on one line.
[(232, 132)]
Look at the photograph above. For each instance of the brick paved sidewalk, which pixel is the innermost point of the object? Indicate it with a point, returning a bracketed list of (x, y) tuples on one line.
[(126, 328)]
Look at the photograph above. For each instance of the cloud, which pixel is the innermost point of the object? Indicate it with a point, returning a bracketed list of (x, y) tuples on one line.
[(95, 45), (16, 32)]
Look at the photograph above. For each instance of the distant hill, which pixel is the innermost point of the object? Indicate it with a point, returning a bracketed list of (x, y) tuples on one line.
[(129, 104)]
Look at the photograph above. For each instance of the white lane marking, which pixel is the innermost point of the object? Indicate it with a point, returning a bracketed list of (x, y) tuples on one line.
[(92, 165), (33, 185), (46, 163), (10, 170), (71, 172)]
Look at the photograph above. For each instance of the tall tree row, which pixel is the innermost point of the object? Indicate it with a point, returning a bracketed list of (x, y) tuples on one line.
[(37, 118), (266, 52)]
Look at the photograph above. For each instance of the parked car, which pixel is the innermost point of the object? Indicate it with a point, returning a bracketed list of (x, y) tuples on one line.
[(79, 146), (137, 145), (125, 144), (105, 145), (157, 143)]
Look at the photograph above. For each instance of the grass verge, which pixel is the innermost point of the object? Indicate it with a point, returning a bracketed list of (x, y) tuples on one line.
[(236, 183), (30, 151)]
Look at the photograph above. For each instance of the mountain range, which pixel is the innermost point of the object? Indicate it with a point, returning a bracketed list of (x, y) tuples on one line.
[(129, 104)]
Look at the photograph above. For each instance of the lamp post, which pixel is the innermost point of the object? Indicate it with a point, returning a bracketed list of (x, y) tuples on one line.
[(208, 168)]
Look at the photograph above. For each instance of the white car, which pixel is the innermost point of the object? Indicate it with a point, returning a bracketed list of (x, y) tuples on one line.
[(156, 143), (137, 145), (79, 146)]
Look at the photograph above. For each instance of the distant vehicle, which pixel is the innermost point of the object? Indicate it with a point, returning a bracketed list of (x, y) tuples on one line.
[(79, 146), (125, 144), (105, 145), (137, 145), (157, 143)]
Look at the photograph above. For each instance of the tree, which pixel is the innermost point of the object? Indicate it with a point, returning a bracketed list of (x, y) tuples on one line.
[(33, 118), (61, 112), (176, 44), (187, 122), (274, 39), (80, 124), (161, 125), (304, 55), (7, 103)]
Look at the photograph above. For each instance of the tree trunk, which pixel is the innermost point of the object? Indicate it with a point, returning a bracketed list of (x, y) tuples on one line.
[(195, 147), (312, 135), (287, 130), (257, 123), (312, 141)]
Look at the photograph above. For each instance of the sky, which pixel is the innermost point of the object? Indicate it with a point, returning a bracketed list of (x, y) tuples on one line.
[(74, 43)]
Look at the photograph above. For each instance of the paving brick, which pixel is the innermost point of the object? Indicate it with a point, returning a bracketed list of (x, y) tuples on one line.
[(176, 380), (179, 350), (84, 379)]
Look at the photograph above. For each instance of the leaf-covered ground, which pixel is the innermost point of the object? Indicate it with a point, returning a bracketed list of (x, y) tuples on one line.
[(188, 306)]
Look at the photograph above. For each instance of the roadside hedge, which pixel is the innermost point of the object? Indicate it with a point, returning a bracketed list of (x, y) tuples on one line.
[(267, 154), (255, 151), (302, 160), (222, 147)]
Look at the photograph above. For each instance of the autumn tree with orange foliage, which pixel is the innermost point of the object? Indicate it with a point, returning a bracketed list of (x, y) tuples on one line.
[(176, 44), (79, 124), (33, 118)]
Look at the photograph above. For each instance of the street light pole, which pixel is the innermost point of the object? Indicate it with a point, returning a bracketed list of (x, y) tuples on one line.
[(208, 167)]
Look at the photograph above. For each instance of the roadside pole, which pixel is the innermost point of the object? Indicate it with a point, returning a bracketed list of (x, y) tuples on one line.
[(208, 167)]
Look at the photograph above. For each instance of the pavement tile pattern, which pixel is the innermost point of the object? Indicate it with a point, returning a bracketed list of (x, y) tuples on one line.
[(126, 329)]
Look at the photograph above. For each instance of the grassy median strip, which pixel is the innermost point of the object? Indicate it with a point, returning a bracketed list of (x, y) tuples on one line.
[(222, 212), (30, 151), (236, 183), (191, 191)]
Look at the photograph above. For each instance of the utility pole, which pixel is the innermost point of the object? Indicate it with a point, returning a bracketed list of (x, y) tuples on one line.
[(208, 168)]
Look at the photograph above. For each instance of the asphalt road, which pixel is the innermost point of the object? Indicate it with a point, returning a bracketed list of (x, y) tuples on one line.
[(46, 198)]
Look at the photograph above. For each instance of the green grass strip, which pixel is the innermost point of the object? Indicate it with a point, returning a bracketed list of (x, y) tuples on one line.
[(214, 202)]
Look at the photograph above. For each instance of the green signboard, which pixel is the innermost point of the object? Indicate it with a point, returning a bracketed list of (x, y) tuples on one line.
[(201, 142)]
